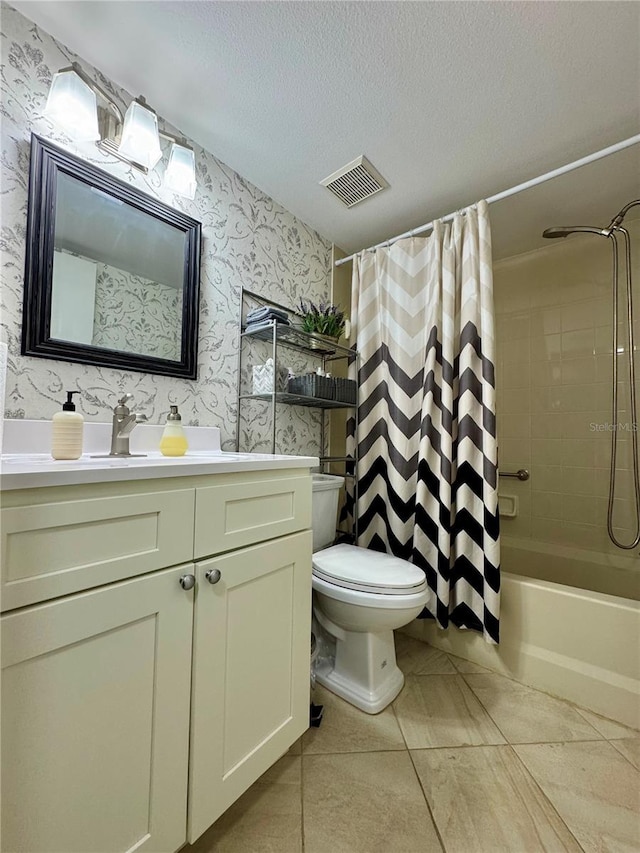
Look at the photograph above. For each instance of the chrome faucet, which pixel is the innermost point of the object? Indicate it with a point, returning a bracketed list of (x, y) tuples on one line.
[(124, 421)]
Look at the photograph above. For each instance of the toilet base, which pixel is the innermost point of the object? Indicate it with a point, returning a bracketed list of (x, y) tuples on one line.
[(364, 671)]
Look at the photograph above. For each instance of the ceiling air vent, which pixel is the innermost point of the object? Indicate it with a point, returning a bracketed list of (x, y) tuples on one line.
[(355, 182)]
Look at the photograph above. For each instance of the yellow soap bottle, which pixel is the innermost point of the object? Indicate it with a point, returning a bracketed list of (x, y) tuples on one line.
[(173, 441)]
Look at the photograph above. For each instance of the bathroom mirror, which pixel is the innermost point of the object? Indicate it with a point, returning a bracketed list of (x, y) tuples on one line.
[(112, 274)]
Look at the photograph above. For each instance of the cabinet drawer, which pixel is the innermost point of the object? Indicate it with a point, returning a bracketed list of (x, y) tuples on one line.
[(49, 550), (243, 513)]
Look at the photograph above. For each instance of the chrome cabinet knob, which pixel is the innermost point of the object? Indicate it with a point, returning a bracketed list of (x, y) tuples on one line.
[(213, 575), (188, 581)]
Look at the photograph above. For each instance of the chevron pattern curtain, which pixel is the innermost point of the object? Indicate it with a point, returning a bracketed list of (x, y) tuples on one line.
[(427, 470)]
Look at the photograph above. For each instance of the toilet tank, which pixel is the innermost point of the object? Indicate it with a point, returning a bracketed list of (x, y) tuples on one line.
[(324, 511)]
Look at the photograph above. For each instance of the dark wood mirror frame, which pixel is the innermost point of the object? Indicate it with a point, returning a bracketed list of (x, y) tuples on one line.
[(47, 161)]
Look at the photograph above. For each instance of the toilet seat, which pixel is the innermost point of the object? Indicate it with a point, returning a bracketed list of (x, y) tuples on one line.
[(371, 572)]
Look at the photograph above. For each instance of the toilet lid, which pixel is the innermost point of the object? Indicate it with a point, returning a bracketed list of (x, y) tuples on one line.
[(359, 568)]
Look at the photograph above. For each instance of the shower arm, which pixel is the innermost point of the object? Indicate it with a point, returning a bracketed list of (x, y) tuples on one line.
[(617, 220)]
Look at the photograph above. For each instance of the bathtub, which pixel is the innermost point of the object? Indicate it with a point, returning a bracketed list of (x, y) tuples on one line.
[(559, 631)]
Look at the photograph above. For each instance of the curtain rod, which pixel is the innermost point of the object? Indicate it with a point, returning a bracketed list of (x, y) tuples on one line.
[(562, 170)]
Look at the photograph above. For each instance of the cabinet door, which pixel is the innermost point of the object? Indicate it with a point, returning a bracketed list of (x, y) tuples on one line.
[(95, 719), (250, 697)]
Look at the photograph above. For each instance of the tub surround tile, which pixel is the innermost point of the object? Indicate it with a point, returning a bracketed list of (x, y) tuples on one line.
[(578, 481), (578, 344), (545, 425), (580, 452), (514, 327), (266, 819), (483, 800), (515, 426), (582, 535), (580, 315), (546, 373), (345, 728), (579, 509), (440, 710), (594, 789), (525, 715), (516, 350), (515, 401), (609, 729), (546, 348), (512, 452), (604, 340), (546, 504), (630, 748), (547, 530), (545, 322), (568, 379), (514, 375), (578, 371), (370, 802), (547, 451), (546, 478), (417, 658)]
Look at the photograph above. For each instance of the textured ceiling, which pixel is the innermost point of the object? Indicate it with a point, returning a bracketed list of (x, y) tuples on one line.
[(451, 101)]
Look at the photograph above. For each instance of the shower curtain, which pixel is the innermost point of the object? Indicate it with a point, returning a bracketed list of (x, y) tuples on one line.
[(422, 316)]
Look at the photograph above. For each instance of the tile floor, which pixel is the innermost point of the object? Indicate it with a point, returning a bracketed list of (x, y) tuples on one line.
[(464, 761)]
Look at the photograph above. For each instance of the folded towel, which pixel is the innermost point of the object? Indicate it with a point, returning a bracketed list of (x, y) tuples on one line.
[(265, 324), (266, 312)]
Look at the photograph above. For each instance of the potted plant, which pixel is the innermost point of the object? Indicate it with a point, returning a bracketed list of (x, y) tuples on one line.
[(322, 319)]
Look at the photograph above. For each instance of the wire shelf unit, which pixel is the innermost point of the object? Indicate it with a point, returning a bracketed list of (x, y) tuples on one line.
[(311, 344)]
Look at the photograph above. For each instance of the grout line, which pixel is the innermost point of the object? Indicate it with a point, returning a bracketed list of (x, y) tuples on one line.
[(482, 705), (398, 723), (543, 795), (542, 692), (621, 754), (454, 746), (431, 814), (580, 709), (356, 751)]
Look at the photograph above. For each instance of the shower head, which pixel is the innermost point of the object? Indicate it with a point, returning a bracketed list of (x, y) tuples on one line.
[(564, 231)]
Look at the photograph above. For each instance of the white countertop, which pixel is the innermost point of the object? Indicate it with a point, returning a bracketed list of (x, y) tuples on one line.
[(26, 470)]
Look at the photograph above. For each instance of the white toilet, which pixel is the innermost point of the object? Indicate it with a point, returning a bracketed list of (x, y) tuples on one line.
[(360, 597)]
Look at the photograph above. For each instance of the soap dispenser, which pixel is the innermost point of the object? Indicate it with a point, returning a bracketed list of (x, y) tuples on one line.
[(173, 441), (67, 431)]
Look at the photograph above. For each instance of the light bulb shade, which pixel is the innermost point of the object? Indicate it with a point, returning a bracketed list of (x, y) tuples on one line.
[(140, 142), (72, 105), (180, 176)]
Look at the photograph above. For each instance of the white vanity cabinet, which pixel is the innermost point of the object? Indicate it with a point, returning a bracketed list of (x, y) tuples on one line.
[(135, 710), (95, 719), (250, 669)]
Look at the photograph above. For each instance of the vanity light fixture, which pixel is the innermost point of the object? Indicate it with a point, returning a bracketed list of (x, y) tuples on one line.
[(180, 176), (72, 103), (133, 138), (140, 142)]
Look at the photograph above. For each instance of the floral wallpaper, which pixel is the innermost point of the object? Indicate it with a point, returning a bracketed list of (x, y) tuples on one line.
[(135, 314), (248, 239)]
